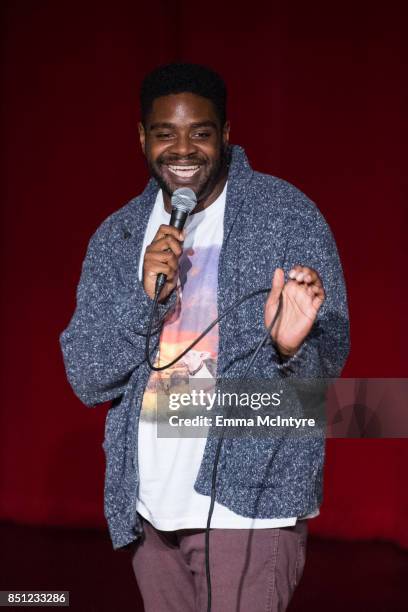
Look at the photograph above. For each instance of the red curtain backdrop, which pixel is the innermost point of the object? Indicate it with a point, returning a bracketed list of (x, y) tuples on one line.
[(317, 96)]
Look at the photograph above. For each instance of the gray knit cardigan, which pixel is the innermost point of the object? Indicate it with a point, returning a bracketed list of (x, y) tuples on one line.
[(268, 223)]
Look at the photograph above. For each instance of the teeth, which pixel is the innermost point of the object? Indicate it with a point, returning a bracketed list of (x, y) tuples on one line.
[(184, 171), (184, 167)]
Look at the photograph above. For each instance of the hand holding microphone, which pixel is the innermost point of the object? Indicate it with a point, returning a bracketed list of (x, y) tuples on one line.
[(161, 260)]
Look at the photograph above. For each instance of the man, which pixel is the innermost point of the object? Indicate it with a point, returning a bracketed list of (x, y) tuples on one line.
[(246, 228)]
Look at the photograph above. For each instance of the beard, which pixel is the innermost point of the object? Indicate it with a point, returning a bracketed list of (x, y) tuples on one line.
[(210, 172)]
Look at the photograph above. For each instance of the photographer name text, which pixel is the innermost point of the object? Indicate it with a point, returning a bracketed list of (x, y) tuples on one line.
[(258, 421)]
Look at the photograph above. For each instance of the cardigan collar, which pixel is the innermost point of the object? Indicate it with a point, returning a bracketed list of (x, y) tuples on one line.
[(239, 177)]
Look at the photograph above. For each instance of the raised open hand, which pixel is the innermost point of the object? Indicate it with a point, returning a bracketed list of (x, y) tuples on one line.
[(302, 296)]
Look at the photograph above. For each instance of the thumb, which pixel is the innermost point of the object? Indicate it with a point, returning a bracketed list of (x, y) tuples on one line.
[(278, 283)]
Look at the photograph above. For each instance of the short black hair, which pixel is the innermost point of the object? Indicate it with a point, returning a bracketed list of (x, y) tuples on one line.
[(180, 78)]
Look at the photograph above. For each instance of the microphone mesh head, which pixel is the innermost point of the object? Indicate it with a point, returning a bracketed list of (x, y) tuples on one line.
[(184, 199)]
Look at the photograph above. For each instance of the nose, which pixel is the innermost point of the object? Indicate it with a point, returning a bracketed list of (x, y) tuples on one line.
[(183, 146)]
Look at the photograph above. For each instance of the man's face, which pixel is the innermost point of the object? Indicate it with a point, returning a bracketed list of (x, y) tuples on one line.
[(184, 143)]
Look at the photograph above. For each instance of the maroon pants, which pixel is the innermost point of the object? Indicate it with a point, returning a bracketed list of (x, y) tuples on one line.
[(251, 569)]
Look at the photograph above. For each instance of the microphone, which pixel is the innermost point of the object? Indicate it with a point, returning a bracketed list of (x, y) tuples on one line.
[(183, 202)]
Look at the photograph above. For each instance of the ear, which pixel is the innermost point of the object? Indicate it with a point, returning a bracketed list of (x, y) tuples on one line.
[(142, 136), (226, 132)]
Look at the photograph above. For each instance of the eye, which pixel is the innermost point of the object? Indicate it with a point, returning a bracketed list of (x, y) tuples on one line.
[(164, 135), (202, 135)]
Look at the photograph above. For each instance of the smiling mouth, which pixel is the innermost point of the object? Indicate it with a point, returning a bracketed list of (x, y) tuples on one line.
[(183, 171)]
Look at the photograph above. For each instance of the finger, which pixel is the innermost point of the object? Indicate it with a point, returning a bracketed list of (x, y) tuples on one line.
[(305, 274), (317, 290), (157, 267), (165, 243), (320, 293), (295, 271), (172, 262), (165, 230), (154, 268), (317, 301), (161, 256), (310, 276), (169, 230), (298, 273), (293, 289)]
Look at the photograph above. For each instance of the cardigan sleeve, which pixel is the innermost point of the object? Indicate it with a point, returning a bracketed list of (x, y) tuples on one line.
[(325, 350), (103, 343)]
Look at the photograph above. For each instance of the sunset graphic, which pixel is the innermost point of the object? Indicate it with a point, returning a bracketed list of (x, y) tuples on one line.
[(196, 308)]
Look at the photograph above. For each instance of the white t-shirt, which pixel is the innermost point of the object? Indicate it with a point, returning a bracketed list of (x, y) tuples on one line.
[(168, 466)]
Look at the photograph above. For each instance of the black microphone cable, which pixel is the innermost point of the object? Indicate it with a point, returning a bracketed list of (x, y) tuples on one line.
[(150, 331), (261, 343), (217, 456)]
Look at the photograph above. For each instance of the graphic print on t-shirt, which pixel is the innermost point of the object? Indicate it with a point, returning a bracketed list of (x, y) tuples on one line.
[(195, 309)]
